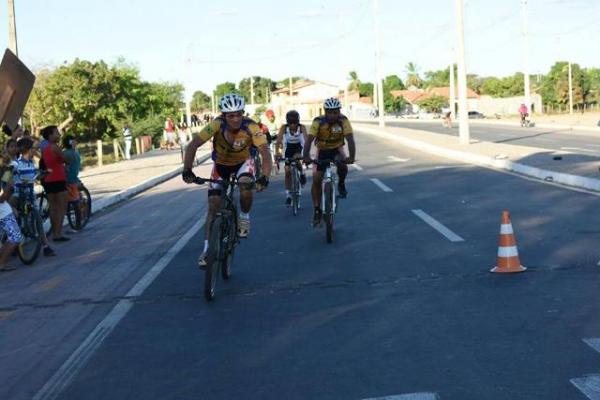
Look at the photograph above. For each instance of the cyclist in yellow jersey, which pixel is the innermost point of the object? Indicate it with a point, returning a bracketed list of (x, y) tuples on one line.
[(329, 131), (233, 136)]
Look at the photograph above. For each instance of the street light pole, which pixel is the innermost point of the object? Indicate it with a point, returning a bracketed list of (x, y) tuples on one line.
[(463, 115), (526, 55), (570, 89), (378, 72), (12, 28), (452, 99), (252, 90)]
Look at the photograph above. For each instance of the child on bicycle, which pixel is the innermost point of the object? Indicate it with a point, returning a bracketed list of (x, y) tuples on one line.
[(24, 173)]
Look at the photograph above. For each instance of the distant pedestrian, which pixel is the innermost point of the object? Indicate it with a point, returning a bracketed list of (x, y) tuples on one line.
[(127, 135), (169, 134)]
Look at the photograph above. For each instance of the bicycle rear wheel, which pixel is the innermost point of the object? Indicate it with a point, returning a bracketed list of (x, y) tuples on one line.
[(78, 213), (328, 215), (214, 258), (31, 230)]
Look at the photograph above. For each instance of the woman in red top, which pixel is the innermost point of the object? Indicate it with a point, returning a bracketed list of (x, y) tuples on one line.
[(55, 183)]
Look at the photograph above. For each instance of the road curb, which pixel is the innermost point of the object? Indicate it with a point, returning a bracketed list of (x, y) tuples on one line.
[(576, 181), (141, 187)]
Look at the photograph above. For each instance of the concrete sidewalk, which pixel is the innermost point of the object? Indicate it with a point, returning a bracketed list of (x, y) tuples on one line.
[(113, 183), (567, 168)]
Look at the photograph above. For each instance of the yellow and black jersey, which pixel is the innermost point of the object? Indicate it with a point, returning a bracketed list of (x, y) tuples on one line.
[(330, 136), (238, 151)]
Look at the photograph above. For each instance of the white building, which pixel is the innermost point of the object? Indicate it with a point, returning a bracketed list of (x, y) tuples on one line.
[(306, 98)]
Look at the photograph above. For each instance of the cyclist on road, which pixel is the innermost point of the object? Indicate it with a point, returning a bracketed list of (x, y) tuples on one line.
[(523, 111), (232, 136), (291, 138), (329, 131)]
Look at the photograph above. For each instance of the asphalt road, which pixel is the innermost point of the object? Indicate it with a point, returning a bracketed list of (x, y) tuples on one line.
[(581, 142), (393, 307)]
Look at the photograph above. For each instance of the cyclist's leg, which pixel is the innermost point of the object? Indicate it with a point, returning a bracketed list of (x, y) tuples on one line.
[(246, 183), (342, 170)]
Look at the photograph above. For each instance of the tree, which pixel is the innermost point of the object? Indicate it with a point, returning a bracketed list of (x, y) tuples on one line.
[(555, 85), (433, 103), (412, 75), (261, 86), (224, 88), (354, 81), (200, 101), (393, 104), (392, 82), (440, 78), (98, 99), (592, 77), (366, 89)]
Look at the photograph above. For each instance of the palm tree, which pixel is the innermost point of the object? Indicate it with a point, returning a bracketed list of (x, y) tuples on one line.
[(412, 75), (354, 81)]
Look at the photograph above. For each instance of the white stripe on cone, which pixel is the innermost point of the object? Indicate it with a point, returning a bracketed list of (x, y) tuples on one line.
[(508, 251), (506, 229)]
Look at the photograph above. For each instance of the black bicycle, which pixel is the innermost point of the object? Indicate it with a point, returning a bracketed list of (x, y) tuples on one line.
[(78, 211), (222, 238), (328, 195), (295, 167), (30, 223)]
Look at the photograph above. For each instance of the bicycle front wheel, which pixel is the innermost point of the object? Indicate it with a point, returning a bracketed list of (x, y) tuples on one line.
[(31, 230), (229, 241), (214, 258), (295, 191), (328, 215)]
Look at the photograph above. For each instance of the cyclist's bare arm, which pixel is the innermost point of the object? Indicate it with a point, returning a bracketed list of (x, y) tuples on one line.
[(304, 133), (279, 142), (265, 153), (307, 145), (351, 147), (190, 152)]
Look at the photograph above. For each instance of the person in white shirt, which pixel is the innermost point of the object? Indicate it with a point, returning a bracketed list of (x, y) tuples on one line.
[(128, 136)]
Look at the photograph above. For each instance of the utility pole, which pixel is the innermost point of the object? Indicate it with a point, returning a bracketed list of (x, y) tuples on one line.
[(251, 90), (213, 101), (570, 89), (12, 28), (463, 112), (378, 72), (526, 55), (291, 92), (452, 99)]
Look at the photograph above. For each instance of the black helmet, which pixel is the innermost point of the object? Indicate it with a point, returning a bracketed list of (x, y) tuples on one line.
[(292, 116)]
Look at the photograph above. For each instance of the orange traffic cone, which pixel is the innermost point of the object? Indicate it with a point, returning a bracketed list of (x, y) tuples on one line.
[(508, 255)]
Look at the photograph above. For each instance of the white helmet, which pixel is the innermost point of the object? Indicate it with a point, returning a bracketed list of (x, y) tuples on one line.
[(231, 102), (331, 103)]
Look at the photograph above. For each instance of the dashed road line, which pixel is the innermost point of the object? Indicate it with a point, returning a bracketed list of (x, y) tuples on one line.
[(589, 385), (438, 226), (49, 285), (409, 396), (580, 149), (381, 185), (357, 167), (398, 159)]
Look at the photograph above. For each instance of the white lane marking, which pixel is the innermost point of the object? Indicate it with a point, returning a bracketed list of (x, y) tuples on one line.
[(594, 343), (410, 396), (357, 167), (588, 385), (598, 263), (451, 236), (381, 185), (580, 149), (67, 372), (398, 159)]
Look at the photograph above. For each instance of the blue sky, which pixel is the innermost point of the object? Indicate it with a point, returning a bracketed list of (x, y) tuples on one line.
[(201, 43)]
